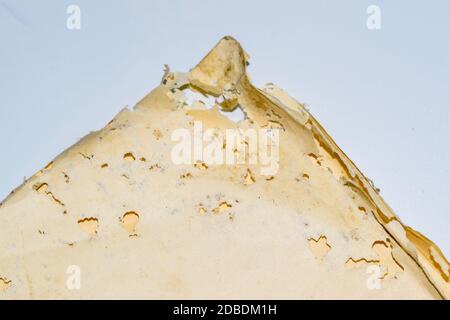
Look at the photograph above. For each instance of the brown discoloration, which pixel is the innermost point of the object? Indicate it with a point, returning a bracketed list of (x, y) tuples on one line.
[(129, 221), (319, 247), (4, 284), (89, 225)]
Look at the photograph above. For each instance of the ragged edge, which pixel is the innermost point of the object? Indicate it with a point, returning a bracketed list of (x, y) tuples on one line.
[(224, 68), (417, 246)]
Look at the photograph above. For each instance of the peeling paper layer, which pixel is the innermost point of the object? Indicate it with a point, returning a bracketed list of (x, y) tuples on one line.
[(139, 226)]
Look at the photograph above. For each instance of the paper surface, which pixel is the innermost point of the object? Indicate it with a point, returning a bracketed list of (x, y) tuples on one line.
[(137, 225)]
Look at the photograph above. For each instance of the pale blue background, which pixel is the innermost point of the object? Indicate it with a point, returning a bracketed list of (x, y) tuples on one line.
[(383, 95)]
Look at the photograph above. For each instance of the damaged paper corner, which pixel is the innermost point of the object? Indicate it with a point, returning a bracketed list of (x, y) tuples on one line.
[(310, 227)]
